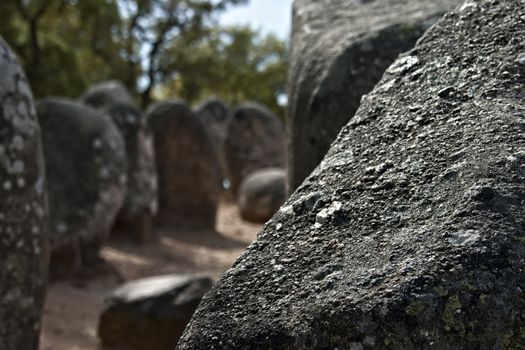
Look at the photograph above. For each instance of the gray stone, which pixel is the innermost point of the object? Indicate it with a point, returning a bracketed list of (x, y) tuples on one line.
[(261, 194), (188, 168), (23, 210), (215, 115), (421, 243), (108, 93), (135, 219), (340, 50), (86, 166), (254, 140), (151, 313)]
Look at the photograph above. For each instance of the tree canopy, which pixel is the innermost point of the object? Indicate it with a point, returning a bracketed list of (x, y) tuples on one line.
[(158, 48)]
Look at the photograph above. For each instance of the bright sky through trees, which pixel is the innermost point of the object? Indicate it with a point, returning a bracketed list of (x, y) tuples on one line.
[(271, 16)]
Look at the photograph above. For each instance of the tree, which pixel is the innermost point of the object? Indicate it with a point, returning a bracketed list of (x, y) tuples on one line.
[(235, 63), (171, 47)]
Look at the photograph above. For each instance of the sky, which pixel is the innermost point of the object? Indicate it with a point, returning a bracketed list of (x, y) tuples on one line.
[(270, 16)]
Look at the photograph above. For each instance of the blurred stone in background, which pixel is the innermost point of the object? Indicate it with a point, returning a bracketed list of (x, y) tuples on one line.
[(86, 169), (215, 115), (255, 139), (261, 194), (151, 313), (188, 168), (135, 220)]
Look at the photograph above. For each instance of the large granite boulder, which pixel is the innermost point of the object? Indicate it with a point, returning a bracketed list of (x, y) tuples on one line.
[(410, 234), (108, 93), (215, 114), (135, 219), (254, 140), (188, 168), (23, 210), (261, 194), (151, 313), (85, 163), (340, 49)]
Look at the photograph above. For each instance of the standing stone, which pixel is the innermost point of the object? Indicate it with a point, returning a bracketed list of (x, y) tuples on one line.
[(261, 194), (215, 115), (410, 234), (151, 313), (23, 210), (135, 219), (86, 171), (187, 166), (340, 49), (107, 94), (254, 140)]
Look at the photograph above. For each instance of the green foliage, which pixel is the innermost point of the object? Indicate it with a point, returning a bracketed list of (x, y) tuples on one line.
[(236, 63), (156, 47)]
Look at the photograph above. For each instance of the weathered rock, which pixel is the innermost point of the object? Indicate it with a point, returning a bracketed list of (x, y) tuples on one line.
[(215, 115), (187, 165), (262, 193), (135, 219), (85, 163), (23, 210), (340, 49), (410, 233), (254, 140), (151, 313), (107, 94)]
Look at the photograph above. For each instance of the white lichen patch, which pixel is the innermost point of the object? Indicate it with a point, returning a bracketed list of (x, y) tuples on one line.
[(464, 237), (325, 214), (403, 64)]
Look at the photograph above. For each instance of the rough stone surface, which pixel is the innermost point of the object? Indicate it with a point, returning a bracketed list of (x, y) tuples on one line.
[(340, 50), (254, 140), (23, 210), (86, 166), (135, 219), (215, 115), (108, 93), (410, 234), (262, 193), (151, 313), (187, 165)]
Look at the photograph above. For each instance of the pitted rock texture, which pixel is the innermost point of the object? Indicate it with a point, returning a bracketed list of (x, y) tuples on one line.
[(254, 140), (86, 166), (187, 167), (340, 50), (108, 93), (135, 219), (261, 194), (410, 234), (23, 210), (151, 313), (215, 114)]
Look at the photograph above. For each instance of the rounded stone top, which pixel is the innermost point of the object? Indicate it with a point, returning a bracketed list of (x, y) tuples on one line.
[(107, 94)]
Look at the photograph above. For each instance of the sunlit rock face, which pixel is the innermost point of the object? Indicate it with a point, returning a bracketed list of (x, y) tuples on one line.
[(23, 210), (255, 140), (188, 168), (135, 219), (410, 234), (86, 167), (340, 50)]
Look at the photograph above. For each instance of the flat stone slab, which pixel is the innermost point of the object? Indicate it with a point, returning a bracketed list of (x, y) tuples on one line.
[(151, 313)]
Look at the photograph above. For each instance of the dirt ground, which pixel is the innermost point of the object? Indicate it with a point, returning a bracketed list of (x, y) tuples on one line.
[(72, 307)]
